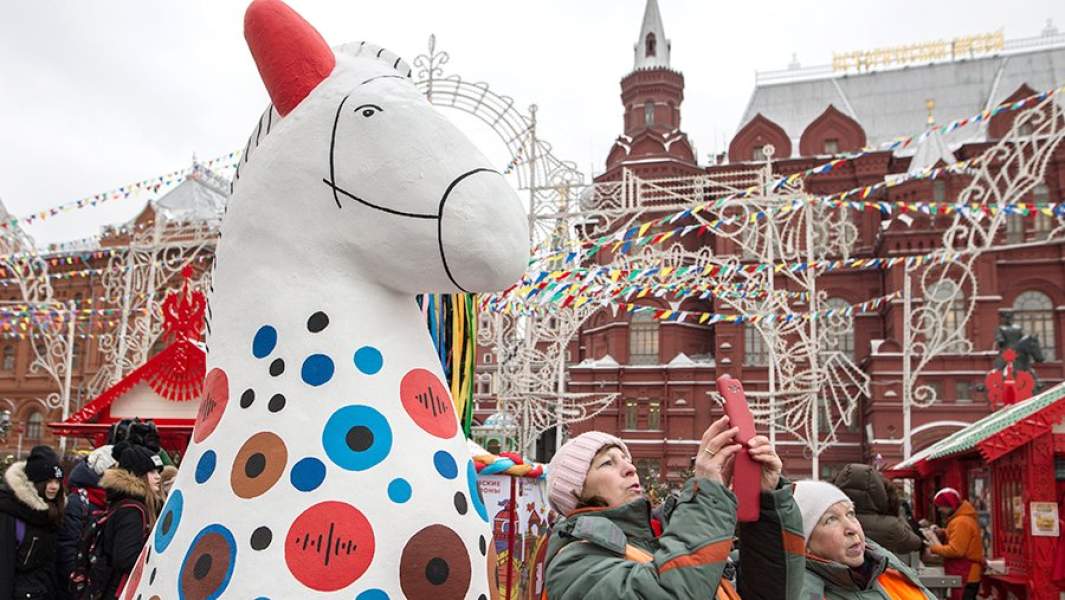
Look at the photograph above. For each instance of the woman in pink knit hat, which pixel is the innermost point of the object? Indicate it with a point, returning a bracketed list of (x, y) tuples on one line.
[(605, 547)]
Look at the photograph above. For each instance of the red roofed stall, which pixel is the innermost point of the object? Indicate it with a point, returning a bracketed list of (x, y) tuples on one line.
[(166, 389), (1011, 466)]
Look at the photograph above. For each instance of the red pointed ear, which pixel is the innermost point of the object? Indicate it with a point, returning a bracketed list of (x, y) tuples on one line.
[(291, 55)]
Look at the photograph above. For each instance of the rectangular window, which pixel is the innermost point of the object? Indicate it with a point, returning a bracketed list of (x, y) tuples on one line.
[(9, 358), (755, 351), (832, 146), (758, 155), (654, 415), (963, 392), (630, 414), (937, 387), (1043, 223), (939, 191), (1014, 229)]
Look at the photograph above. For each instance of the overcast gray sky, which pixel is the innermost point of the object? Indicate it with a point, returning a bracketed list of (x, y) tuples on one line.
[(97, 94)]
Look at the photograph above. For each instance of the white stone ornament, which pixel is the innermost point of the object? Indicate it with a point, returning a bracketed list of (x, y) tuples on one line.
[(327, 460)]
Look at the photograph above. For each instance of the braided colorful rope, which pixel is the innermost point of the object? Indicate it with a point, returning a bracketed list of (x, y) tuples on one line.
[(507, 463)]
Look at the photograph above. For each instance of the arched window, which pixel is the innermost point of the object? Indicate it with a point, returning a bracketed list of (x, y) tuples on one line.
[(643, 339), (648, 113), (948, 302), (34, 426), (755, 350), (9, 358), (649, 45), (1034, 312), (839, 334)]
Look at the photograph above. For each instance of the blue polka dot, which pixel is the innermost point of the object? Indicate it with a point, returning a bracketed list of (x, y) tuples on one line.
[(445, 465), (374, 594), (357, 437), (307, 474), (169, 520), (368, 360), (265, 341), (399, 490), (205, 466), (317, 369), (475, 492)]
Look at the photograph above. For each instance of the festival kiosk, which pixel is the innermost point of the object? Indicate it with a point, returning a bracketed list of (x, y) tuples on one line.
[(166, 389), (1009, 465)]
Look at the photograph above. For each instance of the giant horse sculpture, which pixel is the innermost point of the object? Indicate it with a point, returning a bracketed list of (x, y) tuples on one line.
[(327, 460)]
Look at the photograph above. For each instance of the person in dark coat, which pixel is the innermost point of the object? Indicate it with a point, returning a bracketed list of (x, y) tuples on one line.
[(86, 497), (31, 508), (133, 494), (879, 516)]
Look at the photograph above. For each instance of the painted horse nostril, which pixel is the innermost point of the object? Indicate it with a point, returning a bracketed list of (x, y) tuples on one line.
[(478, 201)]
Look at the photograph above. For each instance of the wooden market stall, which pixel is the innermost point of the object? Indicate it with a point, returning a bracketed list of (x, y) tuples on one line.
[(1004, 464)]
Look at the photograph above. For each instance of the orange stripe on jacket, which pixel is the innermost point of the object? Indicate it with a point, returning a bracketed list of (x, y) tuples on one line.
[(710, 553), (793, 543)]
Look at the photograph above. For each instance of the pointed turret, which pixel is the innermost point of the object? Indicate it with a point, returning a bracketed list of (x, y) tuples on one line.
[(652, 94), (651, 48)]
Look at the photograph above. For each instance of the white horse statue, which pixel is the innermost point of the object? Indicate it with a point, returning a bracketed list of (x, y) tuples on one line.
[(327, 460)]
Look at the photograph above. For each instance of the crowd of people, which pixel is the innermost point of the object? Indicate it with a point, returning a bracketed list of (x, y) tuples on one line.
[(51, 523), (839, 540)]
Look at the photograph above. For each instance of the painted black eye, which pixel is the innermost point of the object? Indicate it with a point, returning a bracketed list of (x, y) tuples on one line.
[(368, 110)]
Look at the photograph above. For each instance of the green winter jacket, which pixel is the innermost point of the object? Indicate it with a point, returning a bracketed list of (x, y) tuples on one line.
[(834, 581), (586, 552)]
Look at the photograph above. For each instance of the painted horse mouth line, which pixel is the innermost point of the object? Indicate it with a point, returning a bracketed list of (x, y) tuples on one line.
[(438, 217), (337, 189)]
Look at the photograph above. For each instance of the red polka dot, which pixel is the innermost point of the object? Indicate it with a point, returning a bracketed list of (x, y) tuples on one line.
[(329, 546), (428, 402), (215, 398), (135, 576)]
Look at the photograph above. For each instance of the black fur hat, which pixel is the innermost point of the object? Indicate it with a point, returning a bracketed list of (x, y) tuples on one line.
[(135, 458)]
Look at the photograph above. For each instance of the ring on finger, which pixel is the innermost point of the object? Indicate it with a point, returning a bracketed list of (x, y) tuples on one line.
[(709, 451)]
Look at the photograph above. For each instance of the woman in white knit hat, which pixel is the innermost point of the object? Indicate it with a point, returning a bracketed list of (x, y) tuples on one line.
[(607, 548), (841, 564)]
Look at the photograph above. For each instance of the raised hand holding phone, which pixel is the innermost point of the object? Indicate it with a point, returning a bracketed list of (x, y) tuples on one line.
[(747, 474)]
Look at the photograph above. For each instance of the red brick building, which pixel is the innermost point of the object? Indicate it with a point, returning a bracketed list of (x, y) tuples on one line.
[(663, 371)]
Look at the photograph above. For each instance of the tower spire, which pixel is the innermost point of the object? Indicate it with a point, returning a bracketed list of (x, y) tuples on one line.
[(652, 48)]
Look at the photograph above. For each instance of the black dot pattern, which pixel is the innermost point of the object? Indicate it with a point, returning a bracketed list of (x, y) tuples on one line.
[(261, 538), (437, 571), (277, 402), (359, 438), (247, 398), (317, 322), (151, 577), (255, 466), (460, 503), (203, 566), (483, 545), (277, 367)]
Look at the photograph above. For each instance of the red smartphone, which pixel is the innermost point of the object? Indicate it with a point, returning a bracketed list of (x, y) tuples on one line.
[(746, 474)]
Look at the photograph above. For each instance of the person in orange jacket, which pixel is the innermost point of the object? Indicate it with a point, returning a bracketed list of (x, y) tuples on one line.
[(963, 552)]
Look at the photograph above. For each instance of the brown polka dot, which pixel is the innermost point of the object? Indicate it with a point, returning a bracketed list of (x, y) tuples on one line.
[(205, 569), (435, 564), (258, 465)]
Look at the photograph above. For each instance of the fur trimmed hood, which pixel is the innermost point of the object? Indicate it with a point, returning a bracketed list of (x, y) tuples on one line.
[(20, 485), (121, 482)]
